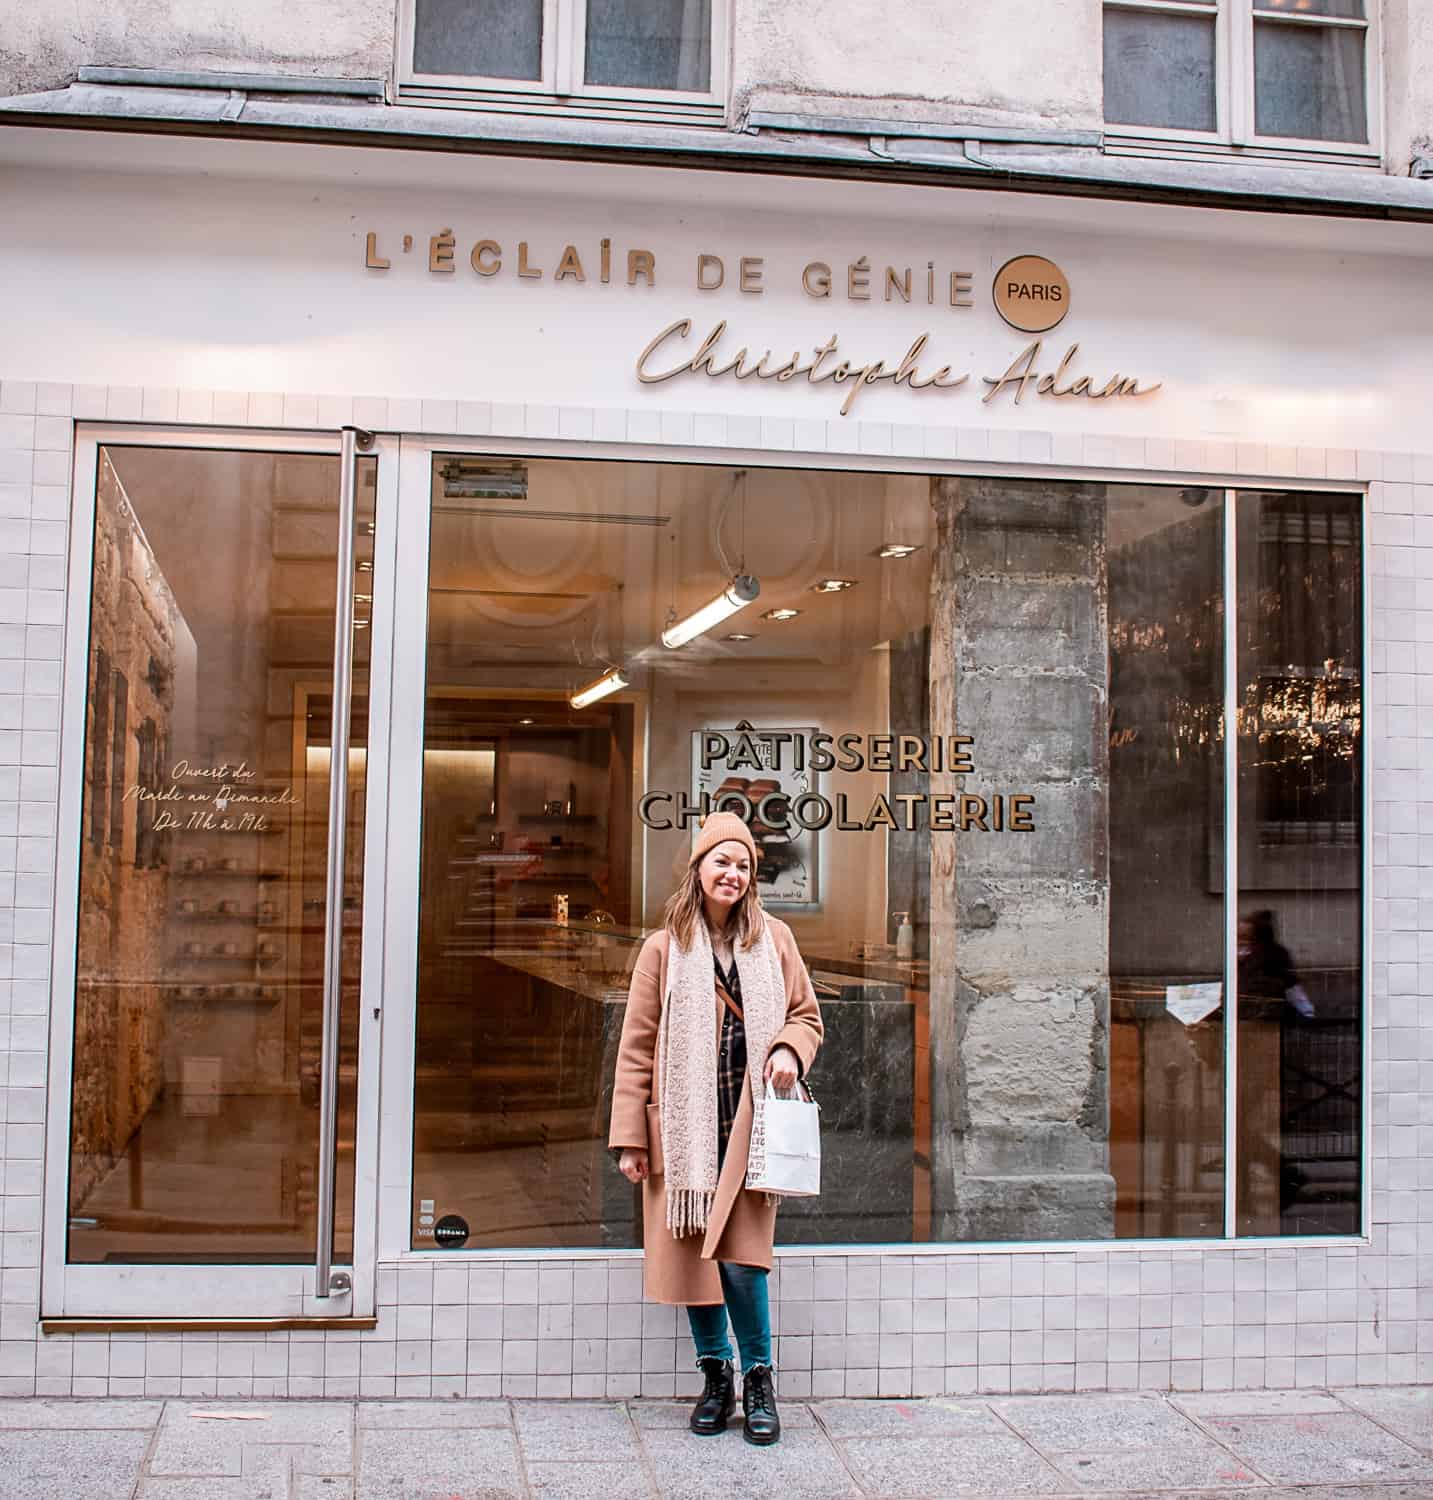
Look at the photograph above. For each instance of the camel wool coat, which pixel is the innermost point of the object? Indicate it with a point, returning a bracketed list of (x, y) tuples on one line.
[(741, 1225)]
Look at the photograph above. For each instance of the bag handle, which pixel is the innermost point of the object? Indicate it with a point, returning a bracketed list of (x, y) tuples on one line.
[(793, 1098), (730, 1001)]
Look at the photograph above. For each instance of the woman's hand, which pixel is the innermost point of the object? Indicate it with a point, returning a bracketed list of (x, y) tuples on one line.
[(783, 1068), (633, 1165)]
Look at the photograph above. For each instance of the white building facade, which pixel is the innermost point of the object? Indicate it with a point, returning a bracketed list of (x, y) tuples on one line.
[(366, 421)]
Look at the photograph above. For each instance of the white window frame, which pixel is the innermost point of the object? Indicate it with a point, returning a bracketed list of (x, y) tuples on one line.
[(204, 1293), (1234, 22), (561, 87)]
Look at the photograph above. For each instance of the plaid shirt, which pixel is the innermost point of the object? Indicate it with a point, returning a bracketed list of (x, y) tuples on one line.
[(731, 1060)]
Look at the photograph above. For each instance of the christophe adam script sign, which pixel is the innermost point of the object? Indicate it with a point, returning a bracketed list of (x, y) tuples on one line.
[(1029, 292)]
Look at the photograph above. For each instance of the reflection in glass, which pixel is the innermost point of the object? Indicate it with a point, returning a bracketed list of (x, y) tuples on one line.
[(1159, 70), (1309, 82), (478, 38), (1300, 863), (649, 44), (1350, 9), (1167, 920), (198, 1004)]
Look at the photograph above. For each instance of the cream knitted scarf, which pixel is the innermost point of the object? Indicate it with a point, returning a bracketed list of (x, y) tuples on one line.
[(687, 1057)]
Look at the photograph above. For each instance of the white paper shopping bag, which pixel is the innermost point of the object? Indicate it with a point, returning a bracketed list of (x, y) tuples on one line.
[(793, 1145)]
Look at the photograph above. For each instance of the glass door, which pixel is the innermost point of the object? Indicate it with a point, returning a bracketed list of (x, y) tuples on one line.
[(218, 904)]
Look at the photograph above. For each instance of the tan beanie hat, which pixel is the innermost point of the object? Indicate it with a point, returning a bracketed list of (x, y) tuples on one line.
[(717, 829)]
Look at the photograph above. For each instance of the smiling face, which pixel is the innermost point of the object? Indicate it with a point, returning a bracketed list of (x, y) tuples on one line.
[(725, 874)]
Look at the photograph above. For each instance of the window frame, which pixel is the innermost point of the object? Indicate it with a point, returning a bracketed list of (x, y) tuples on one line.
[(1234, 103), (410, 610), (560, 88)]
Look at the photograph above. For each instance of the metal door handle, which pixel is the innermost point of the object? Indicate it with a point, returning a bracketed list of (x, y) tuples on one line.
[(327, 1281)]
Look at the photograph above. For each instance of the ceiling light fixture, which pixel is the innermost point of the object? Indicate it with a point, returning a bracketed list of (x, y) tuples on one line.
[(524, 721), (781, 614), (610, 682), (897, 549), (833, 585), (741, 591), (741, 635)]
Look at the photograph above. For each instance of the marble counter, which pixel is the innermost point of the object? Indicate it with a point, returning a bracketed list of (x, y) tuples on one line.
[(863, 1079)]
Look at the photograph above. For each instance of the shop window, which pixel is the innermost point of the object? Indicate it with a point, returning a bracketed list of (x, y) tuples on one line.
[(978, 728), (1270, 74), (642, 57), (199, 957), (1300, 796)]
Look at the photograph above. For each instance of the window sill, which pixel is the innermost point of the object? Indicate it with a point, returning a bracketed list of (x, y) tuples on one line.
[(1173, 149), (656, 110)]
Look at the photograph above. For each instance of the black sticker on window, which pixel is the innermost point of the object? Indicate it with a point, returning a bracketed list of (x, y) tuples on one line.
[(451, 1231)]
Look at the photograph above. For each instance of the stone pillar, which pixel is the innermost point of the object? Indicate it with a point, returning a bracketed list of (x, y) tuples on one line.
[(1019, 999)]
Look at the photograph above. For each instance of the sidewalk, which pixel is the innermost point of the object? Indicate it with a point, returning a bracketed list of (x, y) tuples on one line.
[(1334, 1445)]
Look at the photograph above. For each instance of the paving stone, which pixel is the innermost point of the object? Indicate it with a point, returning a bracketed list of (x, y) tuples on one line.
[(984, 1462), (1279, 1492), (269, 1472), (583, 1481), (1338, 1492), (476, 1464), (1255, 1403), (434, 1414), (39, 1465), (215, 1445), (211, 1488), (1059, 1424), (687, 1467), (1192, 1461), (794, 1414), (323, 1487), (574, 1430), (843, 1419), (90, 1415), (1339, 1448), (1408, 1410)]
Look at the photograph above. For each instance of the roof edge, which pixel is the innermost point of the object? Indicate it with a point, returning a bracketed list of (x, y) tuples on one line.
[(197, 110)]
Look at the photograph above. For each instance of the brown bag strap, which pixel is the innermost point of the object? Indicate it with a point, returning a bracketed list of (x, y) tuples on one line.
[(729, 1000)]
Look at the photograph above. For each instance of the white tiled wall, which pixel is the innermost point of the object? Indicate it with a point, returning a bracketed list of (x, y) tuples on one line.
[(1118, 1318)]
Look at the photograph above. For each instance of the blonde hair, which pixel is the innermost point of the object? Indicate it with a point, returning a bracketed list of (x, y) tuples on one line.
[(685, 909)]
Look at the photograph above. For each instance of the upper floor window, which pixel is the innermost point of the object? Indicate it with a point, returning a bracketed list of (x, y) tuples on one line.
[(644, 57), (1268, 73)]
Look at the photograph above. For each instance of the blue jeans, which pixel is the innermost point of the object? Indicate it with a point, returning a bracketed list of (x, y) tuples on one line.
[(744, 1288)]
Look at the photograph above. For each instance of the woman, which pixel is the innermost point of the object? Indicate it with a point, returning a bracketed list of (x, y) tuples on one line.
[(720, 1005)]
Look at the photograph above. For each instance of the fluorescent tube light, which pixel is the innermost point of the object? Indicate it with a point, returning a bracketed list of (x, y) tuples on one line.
[(740, 592), (611, 682)]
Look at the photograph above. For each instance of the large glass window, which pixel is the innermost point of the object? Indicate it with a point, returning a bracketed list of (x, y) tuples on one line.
[(1300, 831), (589, 54), (203, 862), (978, 728), (1243, 72)]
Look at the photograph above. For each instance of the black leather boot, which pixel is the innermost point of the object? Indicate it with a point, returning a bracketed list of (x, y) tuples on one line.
[(717, 1401), (758, 1399)]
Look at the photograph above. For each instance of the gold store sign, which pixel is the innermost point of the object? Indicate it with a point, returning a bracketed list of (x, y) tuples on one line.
[(1030, 292), (810, 810)]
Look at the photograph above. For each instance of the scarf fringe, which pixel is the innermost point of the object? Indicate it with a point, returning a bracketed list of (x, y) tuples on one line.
[(688, 1210)]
